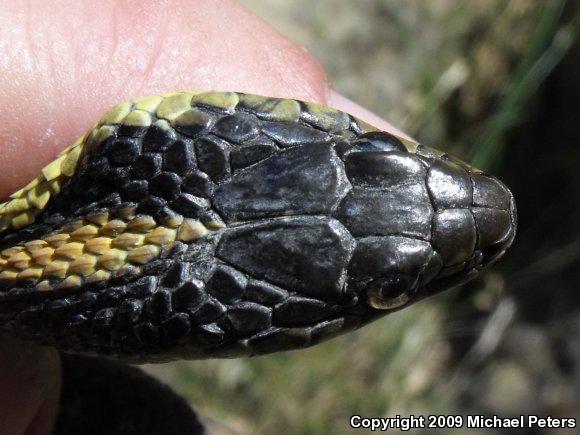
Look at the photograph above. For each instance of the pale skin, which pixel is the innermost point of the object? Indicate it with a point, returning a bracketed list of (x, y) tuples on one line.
[(62, 64)]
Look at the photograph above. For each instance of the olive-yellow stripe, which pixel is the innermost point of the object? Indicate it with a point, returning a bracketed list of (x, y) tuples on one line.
[(94, 247)]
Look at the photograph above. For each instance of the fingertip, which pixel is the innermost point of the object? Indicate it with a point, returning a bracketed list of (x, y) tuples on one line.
[(58, 79)]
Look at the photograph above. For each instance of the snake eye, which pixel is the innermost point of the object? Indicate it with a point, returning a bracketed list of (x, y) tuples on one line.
[(389, 292)]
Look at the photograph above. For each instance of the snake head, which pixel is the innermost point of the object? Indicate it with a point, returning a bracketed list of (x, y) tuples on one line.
[(424, 221), (221, 224)]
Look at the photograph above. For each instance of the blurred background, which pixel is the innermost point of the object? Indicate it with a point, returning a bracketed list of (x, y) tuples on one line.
[(497, 83)]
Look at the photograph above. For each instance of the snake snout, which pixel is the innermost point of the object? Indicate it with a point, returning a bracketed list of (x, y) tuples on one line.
[(473, 225), (495, 217)]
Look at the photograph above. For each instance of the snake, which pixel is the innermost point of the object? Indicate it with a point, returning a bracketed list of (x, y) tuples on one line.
[(222, 224)]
